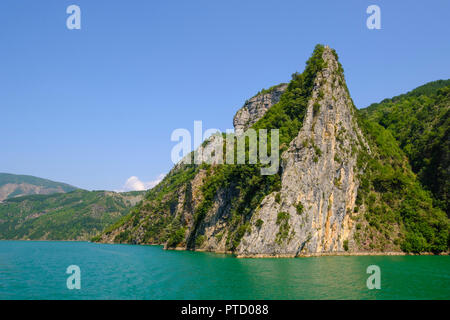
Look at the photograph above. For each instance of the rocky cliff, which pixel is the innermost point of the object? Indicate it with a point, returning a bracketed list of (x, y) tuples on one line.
[(255, 108), (319, 185), (343, 184)]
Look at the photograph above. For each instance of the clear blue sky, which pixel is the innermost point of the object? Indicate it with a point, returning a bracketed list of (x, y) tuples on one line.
[(93, 107)]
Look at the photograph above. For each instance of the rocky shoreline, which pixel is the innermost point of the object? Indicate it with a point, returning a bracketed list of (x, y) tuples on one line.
[(311, 255)]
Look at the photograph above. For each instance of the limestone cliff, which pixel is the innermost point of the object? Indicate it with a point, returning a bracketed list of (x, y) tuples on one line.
[(343, 184), (319, 185), (12, 185)]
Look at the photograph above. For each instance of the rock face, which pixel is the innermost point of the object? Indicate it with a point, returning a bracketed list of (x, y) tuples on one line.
[(319, 185), (255, 108)]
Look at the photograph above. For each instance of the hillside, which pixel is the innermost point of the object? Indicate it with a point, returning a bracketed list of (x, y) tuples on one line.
[(77, 215), (12, 185), (420, 121), (343, 184)]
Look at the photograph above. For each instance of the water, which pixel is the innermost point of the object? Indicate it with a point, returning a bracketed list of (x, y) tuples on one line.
[(36, 270)]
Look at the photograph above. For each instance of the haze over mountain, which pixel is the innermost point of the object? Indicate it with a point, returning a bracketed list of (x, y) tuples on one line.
[(39, 209), (13, 185)]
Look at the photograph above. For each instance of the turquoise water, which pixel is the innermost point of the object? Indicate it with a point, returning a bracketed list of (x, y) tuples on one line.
[(36, 270)]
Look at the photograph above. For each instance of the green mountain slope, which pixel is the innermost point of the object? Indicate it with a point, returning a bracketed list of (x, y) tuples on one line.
[(397, 210), (12, 185), (344, 185), (420, 121), (77, 215)]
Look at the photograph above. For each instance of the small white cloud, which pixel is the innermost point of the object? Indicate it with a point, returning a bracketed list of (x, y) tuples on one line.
[(134, 184)]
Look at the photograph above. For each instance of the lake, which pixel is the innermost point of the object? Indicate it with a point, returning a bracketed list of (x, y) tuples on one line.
[(37, 270)]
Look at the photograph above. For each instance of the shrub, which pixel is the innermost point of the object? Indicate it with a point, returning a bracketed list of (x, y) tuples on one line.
[(337, 159), (123, 236), (345, 245), (278, 198), (219, 236), (299, 208), (199, 240), (283, 222), (176, 238)]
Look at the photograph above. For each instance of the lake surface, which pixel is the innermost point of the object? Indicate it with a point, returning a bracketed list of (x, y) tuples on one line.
[(37, 270)]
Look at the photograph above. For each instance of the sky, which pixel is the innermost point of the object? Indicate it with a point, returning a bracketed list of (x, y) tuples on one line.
[(96, 107)]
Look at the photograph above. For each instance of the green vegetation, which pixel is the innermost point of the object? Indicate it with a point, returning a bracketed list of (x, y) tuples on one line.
[(156, 214), (259, 223), (248, 186), (282, 216), (337, 182), (345, 245), (199, 241), (283, 222), (287, 115), (299, 208), (420, 121), (337, 159), (219, 236), (316, 109), (397, 207), (77, 215), (6, 178), (176, 238), (392, 211), (278, 197), (316, 149), (244, 183), (241, 231), (13, 185)]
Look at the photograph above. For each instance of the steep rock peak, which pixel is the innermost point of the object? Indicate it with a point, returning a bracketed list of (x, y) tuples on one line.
[(313, 211), (255, 108)]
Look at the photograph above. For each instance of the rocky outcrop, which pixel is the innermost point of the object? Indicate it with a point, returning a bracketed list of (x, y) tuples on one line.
[(312, 213), (319, 184), (255, 108), (76, 215), (337, 189)]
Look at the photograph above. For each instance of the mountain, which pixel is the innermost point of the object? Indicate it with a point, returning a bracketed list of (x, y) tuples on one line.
[(343, 184), (12, 185), (420, 121), (77, 215)]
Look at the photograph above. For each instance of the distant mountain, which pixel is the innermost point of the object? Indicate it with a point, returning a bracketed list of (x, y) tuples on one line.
[(12, 185), (420, 121), (77, 215)]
